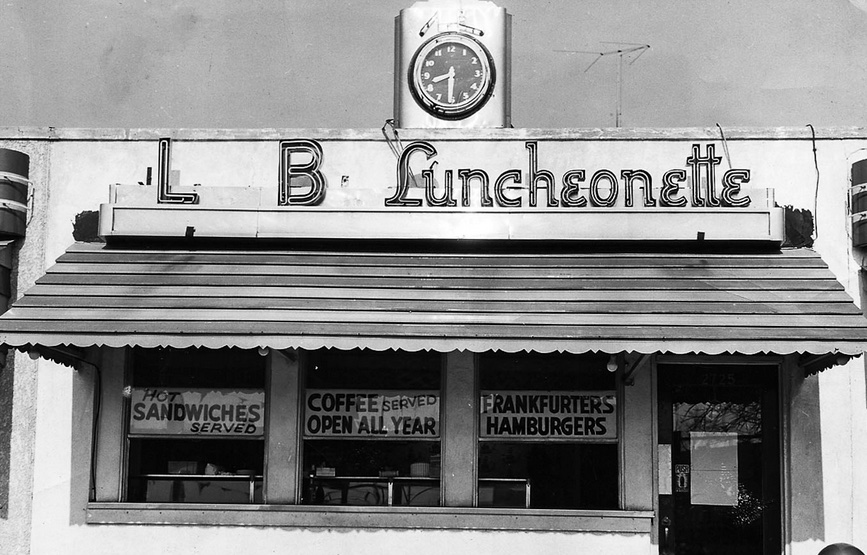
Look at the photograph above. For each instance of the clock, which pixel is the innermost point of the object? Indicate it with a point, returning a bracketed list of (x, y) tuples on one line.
[(451, 75)]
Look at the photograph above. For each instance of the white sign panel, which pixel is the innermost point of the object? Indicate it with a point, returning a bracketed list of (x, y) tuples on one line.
[(372, 413), (197, 412), (548, 414), (516, 185)]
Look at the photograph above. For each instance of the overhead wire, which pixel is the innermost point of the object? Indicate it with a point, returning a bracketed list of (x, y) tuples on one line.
[(816, 188), (725, 145)]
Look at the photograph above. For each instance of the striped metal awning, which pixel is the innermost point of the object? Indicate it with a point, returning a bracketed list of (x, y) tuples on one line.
[(784, 302)]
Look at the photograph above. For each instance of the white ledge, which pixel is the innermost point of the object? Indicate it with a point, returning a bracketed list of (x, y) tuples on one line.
[(484, 224), (579, 134), (430, 518)]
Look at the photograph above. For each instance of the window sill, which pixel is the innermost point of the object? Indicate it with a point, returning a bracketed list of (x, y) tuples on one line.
[(437, 518)]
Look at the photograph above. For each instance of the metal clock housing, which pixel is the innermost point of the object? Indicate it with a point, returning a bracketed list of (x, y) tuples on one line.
[(452, 75)]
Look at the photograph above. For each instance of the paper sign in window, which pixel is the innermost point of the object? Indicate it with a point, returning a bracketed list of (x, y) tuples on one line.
[(664, 469), (197, 411), (552, 415), (372, 413), (714, 458)]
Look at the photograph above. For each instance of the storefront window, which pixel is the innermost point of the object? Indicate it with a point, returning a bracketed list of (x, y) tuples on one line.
[(547, 432), (372, 428), (196, 426)]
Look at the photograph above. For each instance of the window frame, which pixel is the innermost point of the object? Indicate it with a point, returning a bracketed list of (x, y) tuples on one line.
[(128, 380), (308, 360), (617, 441), (283, 479)]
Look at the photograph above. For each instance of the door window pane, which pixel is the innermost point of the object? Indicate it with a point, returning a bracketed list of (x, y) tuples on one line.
[(722, 421)]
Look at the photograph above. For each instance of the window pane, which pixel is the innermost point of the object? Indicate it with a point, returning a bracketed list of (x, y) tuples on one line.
[(198, 368), (371, 428), (366, 472), (548, 432), (560, 475), (196, 426), (554, 372), (206, 470), (359, 369)]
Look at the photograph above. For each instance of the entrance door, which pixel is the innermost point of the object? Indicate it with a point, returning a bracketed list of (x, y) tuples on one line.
[(719, 457)]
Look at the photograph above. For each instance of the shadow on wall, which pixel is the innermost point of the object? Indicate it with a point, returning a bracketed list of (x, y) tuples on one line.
[(85, 228), (862, 280), (805, 463), (799, 227), (6, 389)]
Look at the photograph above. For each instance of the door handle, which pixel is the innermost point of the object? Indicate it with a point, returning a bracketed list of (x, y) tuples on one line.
[(666, 528)]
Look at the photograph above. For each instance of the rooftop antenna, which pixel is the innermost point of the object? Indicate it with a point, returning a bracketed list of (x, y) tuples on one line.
[(627, 48)]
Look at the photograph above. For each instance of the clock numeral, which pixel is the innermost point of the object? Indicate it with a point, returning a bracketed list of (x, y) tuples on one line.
[(439, 96), (465, 52), (474, 86), (430, 88), (478, 73), (474, 61), (438, 52), (428, 63), (426, 75), (451, 49), (466, 96)]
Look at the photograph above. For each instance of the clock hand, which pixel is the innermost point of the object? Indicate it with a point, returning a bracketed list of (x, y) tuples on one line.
[(451, 86), (438, 78)]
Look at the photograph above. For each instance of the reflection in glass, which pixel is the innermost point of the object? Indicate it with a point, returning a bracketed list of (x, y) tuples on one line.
[(718, 416)]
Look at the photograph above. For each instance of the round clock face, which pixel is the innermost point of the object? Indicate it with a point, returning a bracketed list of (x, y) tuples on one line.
[(452, 75)]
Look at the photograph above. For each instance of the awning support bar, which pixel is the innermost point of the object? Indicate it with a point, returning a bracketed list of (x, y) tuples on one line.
[(630, 370)]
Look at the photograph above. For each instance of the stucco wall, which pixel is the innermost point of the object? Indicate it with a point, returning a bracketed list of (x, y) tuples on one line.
[(75, 178), (19, 404)]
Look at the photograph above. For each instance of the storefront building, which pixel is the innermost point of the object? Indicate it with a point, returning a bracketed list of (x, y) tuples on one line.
[(445, 334)]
